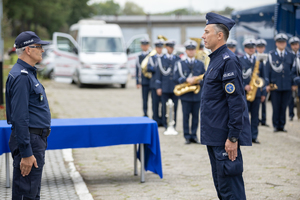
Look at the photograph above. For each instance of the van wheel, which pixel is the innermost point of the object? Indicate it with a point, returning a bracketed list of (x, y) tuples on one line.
[(78, 83), (51, 75), (123, 85)]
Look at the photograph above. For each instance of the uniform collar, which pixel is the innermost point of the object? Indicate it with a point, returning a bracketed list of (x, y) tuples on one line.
[(218, 51), (248, 56), (190, 60), (26, 65), (159, 55), (170, 56), (278, 51), (145, 52)]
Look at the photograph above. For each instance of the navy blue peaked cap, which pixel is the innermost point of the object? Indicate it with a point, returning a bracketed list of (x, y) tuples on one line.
[(213, 18), (27, 38)]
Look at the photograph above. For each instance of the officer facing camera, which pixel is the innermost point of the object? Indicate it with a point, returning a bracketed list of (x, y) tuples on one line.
[(224, 114), (28, 112)]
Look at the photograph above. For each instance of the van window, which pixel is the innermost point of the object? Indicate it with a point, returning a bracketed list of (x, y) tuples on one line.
[(102, 44), (135, 46), (64, 44)]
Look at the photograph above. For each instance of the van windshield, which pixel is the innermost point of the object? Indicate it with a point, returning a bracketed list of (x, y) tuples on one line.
[(101, 44)]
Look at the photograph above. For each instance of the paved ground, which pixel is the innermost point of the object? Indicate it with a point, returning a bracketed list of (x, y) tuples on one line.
[(271, 169), (56, 182)]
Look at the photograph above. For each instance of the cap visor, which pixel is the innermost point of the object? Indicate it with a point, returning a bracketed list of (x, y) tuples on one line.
[(42, 42)]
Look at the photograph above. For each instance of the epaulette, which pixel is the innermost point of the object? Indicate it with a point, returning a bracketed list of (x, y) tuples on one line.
[(272, 51), (24, 71), (225, 56)]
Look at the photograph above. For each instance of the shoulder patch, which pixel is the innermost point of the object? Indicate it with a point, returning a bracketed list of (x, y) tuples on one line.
[(228, 74), (24, 71), (229, 88), (225, 56)]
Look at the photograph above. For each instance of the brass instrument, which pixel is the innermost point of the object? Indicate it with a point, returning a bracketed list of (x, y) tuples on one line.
[(183, 88), (146, 59), (201, 54), (170, 118), (256, 81), (273, 86)]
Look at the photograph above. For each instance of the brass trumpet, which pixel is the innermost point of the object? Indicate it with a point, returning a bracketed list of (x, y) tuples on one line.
[(146, 59), (186, 87)]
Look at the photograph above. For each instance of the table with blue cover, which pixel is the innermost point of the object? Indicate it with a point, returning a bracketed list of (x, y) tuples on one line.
[(97, 132)]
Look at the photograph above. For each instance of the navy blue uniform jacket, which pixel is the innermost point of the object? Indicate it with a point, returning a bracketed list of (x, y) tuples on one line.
[(223, 114), (279, 70), (26, 104), (164, 73), (152, 67), (139, 60), (248, 68), (182, 71)]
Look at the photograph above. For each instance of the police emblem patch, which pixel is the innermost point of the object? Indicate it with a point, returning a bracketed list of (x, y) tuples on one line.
[(229, 88)]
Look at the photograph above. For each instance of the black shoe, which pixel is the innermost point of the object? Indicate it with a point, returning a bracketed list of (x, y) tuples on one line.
[(282, 130), (291, 118), (195, 140), (255, 141), (264, 124), (276, 130), (187, 141), (161, 125)]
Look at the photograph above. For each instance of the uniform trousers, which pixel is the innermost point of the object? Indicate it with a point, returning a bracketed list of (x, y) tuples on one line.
[(280, 100), (145, 95), (164, 99), (155, 107), (28, 187), (253, 108), (291, 106), (190, 107), (227, 175), (263, 112)]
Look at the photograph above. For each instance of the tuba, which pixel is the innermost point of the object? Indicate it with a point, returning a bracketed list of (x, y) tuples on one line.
[(183, 88), (198, 40), (146, 59), (256, 82)]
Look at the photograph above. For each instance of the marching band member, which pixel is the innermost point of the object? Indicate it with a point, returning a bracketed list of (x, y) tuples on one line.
[(294, 42), (231, 45), (152, 67), (145, 82), (248, 62), (260, 48), (164, 83), (279, 68), (186, 71)]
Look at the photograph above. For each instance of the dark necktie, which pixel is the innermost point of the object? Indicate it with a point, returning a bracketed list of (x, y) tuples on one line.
[(250, 58)]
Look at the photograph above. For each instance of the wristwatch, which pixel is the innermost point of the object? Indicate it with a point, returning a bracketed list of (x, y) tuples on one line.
[(233, 139)]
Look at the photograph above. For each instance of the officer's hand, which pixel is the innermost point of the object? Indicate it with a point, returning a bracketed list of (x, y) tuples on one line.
[(26, 165), (190, 80), (231, 149), (294, 87), (138, 86), (247, 88), (268, 88), (262, 98), (159, 92)]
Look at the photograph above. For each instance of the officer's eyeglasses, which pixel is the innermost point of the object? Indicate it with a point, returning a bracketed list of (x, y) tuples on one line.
[(40, 47)]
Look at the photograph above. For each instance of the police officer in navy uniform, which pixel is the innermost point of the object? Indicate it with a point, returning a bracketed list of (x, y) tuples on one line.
[(145, 82), (186, 71), (260, 49), (296, 75), (152, 67), (248, 62), (164, 79), (294, 42), (225, 122), (231, 45), (279, 66), (28, 112)]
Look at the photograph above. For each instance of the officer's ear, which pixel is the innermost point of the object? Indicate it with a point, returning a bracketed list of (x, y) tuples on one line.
[(27, 50), (220, 36)]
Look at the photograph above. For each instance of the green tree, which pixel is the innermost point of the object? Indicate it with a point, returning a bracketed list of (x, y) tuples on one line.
[(131, 8), (226, 11), (108, 7)]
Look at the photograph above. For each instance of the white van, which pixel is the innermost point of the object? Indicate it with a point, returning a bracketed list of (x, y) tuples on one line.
[(94, 53)]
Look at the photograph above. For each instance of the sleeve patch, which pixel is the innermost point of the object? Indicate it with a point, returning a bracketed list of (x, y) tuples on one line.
[(226, 75), (225, 56), (229, 88)]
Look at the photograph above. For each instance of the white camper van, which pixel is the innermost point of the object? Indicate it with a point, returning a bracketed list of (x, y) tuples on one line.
[(94, 53)]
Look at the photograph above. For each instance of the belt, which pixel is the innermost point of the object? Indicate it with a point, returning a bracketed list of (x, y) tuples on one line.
[(40, 131)]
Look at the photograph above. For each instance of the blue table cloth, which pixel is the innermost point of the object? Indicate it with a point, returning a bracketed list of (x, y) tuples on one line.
[(97, 132)]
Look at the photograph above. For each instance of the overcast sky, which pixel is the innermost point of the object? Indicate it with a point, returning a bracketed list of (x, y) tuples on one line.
[(156, 6)]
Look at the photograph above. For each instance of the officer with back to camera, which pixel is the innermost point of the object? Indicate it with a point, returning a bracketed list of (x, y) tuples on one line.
[(145, 82), (225, 122), (231, 45), (294, 42), (164, 79), (279, 66), (248, 62), (28, 112), (152, 67), (186, 71), (296, 71), (260, 49)]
